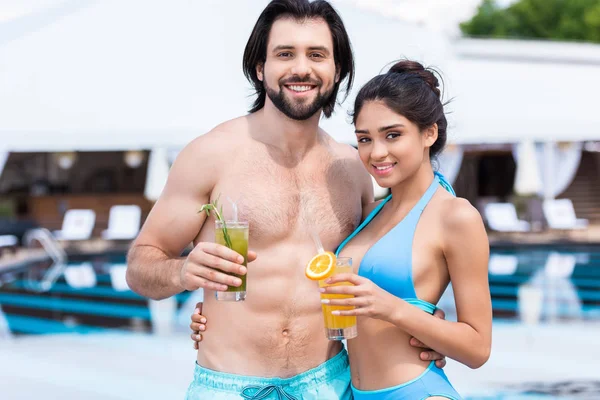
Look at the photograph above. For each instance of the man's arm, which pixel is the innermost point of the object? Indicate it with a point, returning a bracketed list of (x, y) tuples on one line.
[(155, 267), (158, 282)]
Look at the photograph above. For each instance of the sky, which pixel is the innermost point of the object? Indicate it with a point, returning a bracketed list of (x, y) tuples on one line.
[(437, 14), (10, 9), (441, 15)]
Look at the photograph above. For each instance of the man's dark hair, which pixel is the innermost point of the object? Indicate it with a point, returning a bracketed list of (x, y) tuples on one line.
[(300, 10)]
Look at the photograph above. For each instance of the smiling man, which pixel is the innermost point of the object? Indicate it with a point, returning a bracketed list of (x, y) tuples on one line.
[(299, 96), (294, 177)]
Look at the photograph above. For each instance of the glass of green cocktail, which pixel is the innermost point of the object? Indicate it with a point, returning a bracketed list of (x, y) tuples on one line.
[(233, 234)]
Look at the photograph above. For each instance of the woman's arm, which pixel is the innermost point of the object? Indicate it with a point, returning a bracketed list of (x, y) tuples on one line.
[(466, 250)]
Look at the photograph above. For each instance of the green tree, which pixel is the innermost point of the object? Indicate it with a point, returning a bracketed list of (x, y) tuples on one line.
[(577, 20)]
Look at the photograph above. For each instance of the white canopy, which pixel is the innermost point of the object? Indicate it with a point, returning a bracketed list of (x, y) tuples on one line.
[(508, 91), (103, 75)]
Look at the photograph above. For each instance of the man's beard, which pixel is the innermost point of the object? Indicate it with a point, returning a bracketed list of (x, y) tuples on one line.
[(296, 110)]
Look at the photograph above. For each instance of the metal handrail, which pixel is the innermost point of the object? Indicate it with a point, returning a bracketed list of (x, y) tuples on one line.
[(54, 251)]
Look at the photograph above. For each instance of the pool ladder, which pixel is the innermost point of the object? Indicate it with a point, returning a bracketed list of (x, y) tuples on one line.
[(54, 251)]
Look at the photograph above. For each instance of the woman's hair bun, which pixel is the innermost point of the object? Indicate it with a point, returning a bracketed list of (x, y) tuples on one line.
[(406, 67)]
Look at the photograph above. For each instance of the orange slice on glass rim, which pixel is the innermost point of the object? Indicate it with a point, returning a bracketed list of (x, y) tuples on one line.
[(321, 266)]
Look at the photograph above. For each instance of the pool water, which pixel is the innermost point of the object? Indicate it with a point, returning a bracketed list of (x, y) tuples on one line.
[(564, 280), (92, 295)]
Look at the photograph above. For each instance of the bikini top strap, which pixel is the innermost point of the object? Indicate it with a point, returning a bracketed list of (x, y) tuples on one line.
[(364, 223), (445, 184)]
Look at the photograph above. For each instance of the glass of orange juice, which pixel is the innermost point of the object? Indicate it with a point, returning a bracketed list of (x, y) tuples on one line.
[(338, 327)]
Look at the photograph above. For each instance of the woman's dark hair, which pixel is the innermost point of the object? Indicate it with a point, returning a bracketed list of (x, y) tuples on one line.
[(300, 10), (410, 90)]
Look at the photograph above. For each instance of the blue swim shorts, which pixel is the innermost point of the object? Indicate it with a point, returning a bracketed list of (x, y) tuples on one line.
[(328, 381)]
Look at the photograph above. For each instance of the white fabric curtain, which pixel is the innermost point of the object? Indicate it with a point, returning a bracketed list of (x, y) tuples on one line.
[(528, 180), (561, 163), (158, 172), (449, 162), (3, 158), (556, 166), (172, 154)]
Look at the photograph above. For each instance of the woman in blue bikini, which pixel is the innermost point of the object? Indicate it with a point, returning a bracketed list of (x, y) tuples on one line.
[(410, 246)]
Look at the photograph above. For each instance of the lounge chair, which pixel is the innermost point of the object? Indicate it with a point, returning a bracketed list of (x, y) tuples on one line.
[(123, 223), (560, 214), (77, 225), (502, 217)]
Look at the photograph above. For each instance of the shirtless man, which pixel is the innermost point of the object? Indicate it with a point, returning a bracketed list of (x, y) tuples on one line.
[(291, 176)]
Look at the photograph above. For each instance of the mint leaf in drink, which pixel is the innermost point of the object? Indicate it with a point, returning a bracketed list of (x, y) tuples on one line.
[(214, 207)]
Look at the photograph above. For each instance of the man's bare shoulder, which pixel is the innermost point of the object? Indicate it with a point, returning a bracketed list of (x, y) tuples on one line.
[(234, 129), (223, 138), (354, 166), (342, 150), (198, 162)]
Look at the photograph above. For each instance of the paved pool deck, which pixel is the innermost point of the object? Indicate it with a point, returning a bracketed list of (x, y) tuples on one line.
[(143, 366)]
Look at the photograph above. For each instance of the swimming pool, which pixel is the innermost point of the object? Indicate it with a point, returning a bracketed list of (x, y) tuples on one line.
[(92, 295), (565, 280)]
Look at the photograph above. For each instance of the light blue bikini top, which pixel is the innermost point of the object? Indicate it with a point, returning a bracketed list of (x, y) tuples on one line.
[(388, 262)]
